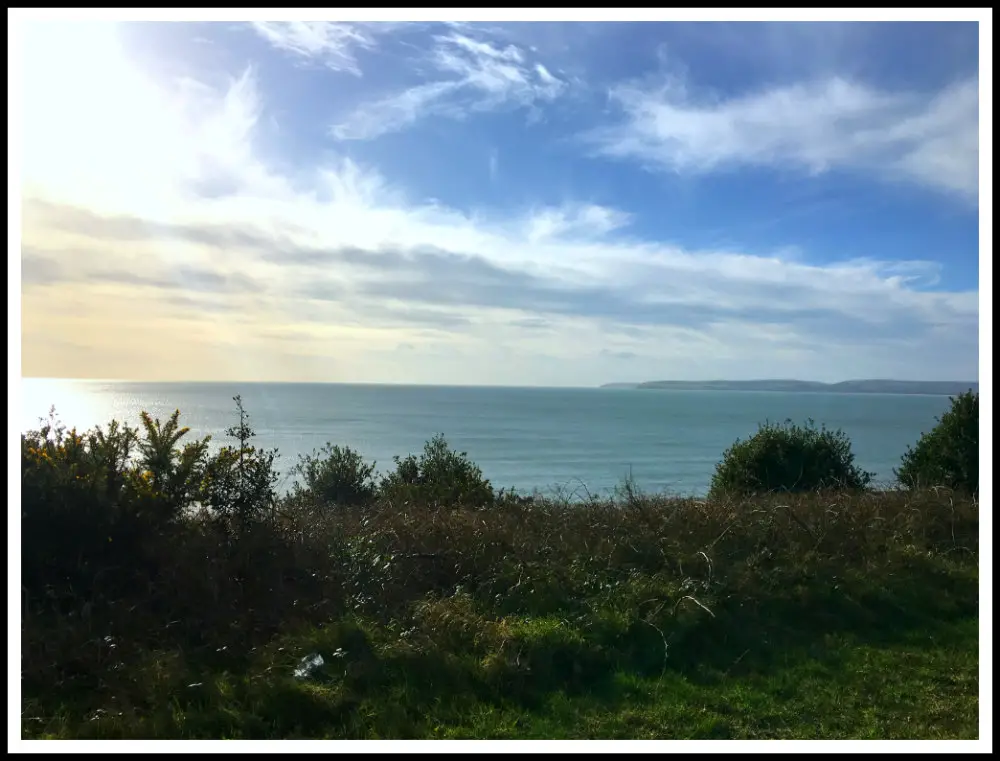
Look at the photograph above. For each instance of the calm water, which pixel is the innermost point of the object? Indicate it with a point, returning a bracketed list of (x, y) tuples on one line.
[(520, 437)]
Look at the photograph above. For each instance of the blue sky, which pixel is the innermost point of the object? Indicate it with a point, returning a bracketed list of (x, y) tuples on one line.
[(519, 203)]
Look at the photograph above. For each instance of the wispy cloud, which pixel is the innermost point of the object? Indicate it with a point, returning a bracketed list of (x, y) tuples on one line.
[(817, 127), (474, 75), (329, 43), (575, 220)]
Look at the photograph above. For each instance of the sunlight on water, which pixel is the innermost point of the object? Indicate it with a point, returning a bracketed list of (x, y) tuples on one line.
[(74, 404)]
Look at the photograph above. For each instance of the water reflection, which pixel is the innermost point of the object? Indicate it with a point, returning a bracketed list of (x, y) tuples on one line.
[(75, 405)]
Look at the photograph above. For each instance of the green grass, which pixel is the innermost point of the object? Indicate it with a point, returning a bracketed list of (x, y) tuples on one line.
[(893, 660)]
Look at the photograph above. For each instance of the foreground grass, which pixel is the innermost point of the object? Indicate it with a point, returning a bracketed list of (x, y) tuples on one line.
[(923, 687), (888, 653)]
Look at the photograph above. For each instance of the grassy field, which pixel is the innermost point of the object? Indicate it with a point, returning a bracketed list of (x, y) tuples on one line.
[(811, 616)]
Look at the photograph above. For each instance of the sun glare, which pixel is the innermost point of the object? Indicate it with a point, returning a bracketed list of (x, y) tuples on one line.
[(96, 128)]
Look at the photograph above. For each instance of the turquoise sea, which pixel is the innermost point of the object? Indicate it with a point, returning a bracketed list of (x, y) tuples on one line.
[(529, 438)]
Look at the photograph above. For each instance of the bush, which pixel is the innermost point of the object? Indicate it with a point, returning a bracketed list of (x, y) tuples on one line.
[(788, 458), (440, 476), (949, 454), (101, 499), (336, 475), (173, 474)]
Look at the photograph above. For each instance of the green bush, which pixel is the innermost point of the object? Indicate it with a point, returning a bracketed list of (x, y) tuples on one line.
[(440, 476), (336, 475), (788, 458), (949, 454)]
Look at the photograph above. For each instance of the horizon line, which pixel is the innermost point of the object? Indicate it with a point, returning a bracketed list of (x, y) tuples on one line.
[(481, 385)]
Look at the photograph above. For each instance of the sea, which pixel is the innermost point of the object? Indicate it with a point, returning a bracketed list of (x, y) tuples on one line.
[(566, 441)]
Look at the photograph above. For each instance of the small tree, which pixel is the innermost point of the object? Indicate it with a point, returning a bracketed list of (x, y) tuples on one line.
[(788, 458), (239, 481), (949, 454), (336, 475)]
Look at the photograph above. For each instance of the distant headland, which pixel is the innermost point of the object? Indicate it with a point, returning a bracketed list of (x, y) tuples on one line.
[(943, 388)]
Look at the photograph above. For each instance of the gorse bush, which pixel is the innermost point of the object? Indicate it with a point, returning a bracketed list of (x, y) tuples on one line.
[(789, 458), (336, 475), (114, 498), (173, 474), (83, 504), (949, 454), (439, 476)]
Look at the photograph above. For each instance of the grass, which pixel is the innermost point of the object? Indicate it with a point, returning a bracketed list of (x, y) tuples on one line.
[(866, 640), (923, 686)]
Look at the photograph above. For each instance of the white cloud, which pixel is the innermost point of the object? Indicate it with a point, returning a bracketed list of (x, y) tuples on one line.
[(478, 77), (833, 124), (573, 221), (160, 208), (332, 44)]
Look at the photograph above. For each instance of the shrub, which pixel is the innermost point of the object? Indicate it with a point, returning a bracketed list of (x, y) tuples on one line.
[(788, 458), (336, 475), (173, 474), (440, 476), (949, 454)]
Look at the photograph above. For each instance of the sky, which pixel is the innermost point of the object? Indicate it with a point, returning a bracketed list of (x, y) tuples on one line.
[(547, 204)]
